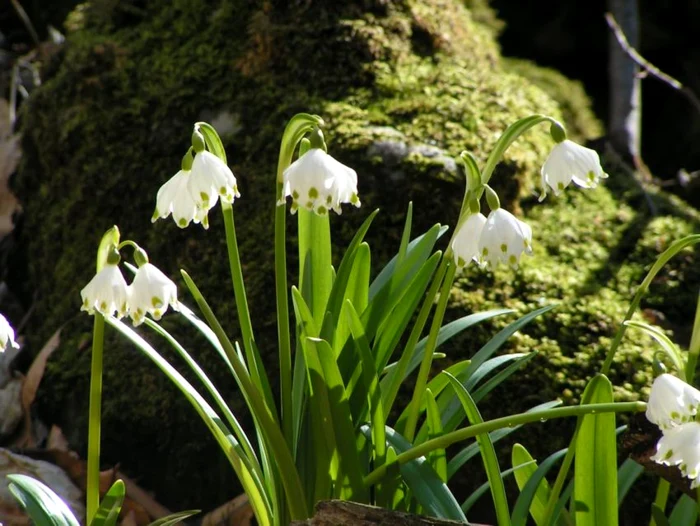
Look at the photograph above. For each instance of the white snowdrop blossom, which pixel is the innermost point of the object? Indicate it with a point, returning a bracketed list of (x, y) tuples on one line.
[(7, 335), (210, 179), (680, 446), (465, 245), (504, 238), (107, 293), (672, 402), (174, 198), (151, 292), (568, 162), (318, 182)]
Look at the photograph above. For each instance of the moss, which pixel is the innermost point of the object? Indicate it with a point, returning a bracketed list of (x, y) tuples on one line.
[(111, 125)]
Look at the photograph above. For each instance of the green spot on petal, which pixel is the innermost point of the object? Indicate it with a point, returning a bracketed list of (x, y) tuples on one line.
[(295, 195), (504, 248), (313, 193)]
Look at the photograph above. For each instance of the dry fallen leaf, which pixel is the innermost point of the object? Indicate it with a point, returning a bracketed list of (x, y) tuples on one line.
[(236, 512)]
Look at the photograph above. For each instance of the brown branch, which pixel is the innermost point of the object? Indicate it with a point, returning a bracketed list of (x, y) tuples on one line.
[(647, 66)]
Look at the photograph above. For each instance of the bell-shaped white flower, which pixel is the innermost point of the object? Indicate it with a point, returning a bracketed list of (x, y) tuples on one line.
[(175, 198), (211, 179), (680, 446), (672, 402), (107, 293), (568, 162), (318, 182), (504, 238), (7, 335), (465, 245), (151, 292)]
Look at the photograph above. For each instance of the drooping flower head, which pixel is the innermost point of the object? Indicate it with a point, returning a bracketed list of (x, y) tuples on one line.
[(7, 335), (318, 182), (465, 245), (568, 162), (680, 446), (672, 402), (174, 198), (151, 292), (504, 238), (211, 179), (107, 292)]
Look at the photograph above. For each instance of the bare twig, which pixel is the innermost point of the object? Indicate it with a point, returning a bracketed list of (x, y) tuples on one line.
[(647, 66), (25, 19)]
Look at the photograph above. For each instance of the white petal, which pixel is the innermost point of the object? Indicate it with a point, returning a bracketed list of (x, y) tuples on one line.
[(151, 292), (466, 242), (318, 182), (671, 402), (568, 162), (107, 293), (680, 446), (504, 238), (212, 176), (7, 335), (174, 197)]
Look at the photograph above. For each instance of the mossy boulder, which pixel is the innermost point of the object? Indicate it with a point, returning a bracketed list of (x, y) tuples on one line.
[(404, 87)]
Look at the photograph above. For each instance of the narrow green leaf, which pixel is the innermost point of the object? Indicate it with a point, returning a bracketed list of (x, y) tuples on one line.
[(437, 457), (356, 292), (111, 505), (170, 520), (229, 445), (685, 513), (628, 473), (315, 269), (466, 454), (534, 488), (671, 349), (481, 490), (659, 517), (595, 476), (488, 453), (426, 486), (43, 506)]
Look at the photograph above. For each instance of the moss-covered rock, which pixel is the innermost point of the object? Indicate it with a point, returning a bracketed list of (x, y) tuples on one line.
[(403, 86)]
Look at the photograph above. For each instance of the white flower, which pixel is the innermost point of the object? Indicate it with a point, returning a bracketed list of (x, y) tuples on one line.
[(107, 292), (151, 292), (465, 245), (503, 238), (174, 198), (671, 402), (211, 179), (680, 446), (7, 335), (568, 162), (318, 182)]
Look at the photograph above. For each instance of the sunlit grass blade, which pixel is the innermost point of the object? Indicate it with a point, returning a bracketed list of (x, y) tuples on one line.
[(595, 475), (315, 270), (43, 506), (356, 292), (469, 452), (488, 453), (228, 444), (671, 349), (174, 518), (518, 363), (108, 511), (534, 488), (426, 486), (438, 457)]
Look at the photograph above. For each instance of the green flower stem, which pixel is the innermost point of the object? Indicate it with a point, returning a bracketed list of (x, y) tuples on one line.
[(498, 423), (666, 255), (416, 331), (422, 380), (297, 127), (694, 348), (94, 419), (513, 131), (252, 357)]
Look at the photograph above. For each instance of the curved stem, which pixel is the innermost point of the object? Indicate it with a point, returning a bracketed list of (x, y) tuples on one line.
[(658, 265), (498, 423), (94, 419)]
